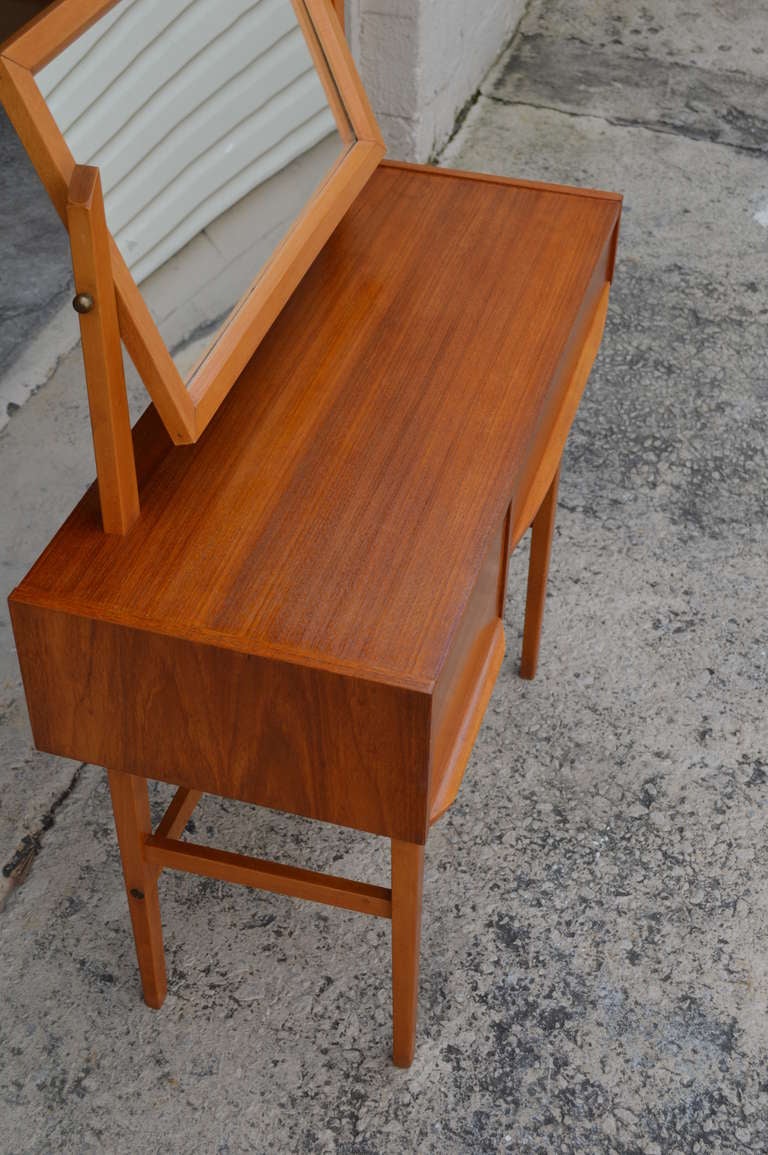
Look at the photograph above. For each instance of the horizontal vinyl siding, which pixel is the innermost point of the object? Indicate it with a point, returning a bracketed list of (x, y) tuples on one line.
[(186, 106)]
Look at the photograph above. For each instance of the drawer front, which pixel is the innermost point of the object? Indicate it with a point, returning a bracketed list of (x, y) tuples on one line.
[(467, 679)]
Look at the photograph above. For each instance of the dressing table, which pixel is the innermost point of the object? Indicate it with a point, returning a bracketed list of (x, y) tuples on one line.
[(287, 585)]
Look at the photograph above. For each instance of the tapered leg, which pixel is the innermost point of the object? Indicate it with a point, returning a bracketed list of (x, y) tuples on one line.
[(407, 889), (130, 802), (538, 571)]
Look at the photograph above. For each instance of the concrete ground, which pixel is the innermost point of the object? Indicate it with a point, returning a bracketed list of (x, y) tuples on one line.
[(35, 279), (595, 957)]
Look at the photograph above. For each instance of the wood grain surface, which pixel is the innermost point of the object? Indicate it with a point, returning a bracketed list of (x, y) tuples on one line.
[(542, 532), (339, 508), (279, 734), (130, 805), (303, 613), (102, 353), (467, 679)]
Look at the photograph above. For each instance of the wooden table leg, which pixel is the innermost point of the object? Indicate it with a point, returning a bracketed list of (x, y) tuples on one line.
[(407, 889), (538, 571), (130, 802)]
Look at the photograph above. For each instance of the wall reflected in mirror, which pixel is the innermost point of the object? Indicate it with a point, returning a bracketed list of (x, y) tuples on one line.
[(212, 130)]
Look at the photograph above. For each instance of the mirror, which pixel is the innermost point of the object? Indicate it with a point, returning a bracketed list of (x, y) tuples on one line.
[(213, 130), (231, 136)]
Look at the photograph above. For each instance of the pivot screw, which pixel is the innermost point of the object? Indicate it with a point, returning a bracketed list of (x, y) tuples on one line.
[(83, 303)]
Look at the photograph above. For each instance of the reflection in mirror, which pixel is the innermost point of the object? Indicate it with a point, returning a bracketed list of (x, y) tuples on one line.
[(212, 130)]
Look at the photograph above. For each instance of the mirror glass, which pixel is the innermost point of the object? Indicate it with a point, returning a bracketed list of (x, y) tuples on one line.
[(212, 129)]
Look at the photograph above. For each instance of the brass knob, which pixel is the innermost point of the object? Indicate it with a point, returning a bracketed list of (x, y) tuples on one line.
[(83, 303)]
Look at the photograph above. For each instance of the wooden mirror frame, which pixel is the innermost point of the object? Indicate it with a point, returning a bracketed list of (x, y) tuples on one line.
[(187, 408)]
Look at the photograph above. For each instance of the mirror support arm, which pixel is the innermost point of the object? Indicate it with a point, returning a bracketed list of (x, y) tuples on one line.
[(102, 351)]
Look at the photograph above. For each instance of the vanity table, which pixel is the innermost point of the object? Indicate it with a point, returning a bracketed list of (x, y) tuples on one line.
[(303, 609)]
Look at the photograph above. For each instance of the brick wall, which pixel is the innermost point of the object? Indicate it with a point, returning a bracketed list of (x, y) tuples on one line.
[(422, 60)]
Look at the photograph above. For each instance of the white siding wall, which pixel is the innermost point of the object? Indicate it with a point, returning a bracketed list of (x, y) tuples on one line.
[(186, 106)]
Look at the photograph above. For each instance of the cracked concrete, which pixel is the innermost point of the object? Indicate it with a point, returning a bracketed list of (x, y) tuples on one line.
[(639, 91), (595, 960)]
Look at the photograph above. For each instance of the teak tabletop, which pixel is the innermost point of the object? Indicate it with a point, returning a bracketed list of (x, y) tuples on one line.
[(307, 614), (337, 511)]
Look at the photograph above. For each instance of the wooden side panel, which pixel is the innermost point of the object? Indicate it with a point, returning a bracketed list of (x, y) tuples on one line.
[(467, 680), (285, 736), (554, 434), (548, 438)]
